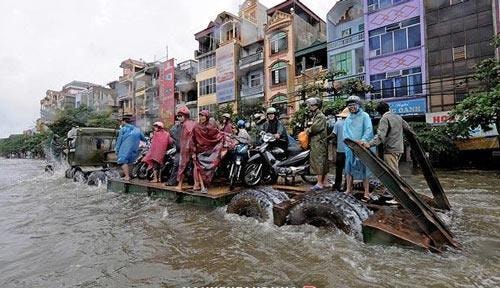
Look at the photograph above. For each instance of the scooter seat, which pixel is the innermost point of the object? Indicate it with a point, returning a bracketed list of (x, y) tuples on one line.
[(293, 150)]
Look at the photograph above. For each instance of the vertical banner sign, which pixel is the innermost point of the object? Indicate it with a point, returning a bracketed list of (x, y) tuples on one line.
[(225, 86), (166, 92)]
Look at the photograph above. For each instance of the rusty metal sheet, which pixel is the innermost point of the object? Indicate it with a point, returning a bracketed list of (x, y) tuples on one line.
[(423, 214), (430, 175)]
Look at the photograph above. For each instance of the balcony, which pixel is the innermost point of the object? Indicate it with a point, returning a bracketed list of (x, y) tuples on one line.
[(252, 91), (351, 39), (251, 60), (202, 53)]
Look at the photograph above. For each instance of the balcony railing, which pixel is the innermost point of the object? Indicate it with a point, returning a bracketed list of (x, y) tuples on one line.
[(249, 91), (354, 38), (251, 58)]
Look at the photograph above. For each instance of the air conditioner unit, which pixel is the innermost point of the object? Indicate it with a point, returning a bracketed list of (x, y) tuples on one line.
[(361, 70), (374, 53), (393, 74)]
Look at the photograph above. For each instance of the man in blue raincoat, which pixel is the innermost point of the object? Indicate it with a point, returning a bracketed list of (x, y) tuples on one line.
[(127, 145), (357, 127)]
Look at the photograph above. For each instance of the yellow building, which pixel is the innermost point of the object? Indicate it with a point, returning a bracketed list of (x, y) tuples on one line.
[(291, 27)]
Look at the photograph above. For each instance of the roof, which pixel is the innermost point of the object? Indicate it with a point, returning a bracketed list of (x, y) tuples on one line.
[(286, 3)]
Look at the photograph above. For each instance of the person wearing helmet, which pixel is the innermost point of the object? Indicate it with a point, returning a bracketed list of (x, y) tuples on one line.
[(186, 135), (318, 160), (227, 126), (357, 127), (159, 144), (275, 127), (242, 134)]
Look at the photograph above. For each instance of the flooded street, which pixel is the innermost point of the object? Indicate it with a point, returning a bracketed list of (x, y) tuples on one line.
[(57, 233)]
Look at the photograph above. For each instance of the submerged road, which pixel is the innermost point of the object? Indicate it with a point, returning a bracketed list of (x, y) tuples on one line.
[(57, 233)]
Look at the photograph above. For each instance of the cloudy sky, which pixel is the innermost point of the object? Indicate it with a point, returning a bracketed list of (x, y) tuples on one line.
[(46, 44)]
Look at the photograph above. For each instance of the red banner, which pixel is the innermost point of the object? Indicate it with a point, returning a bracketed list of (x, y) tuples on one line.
[(166, 92)]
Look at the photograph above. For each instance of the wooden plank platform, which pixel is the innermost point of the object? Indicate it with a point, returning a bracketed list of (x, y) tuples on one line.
[(217, 196)]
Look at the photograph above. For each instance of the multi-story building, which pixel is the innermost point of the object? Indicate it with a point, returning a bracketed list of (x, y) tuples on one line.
[(291, 27), (221, 45), (49, 105), (124, 87), (185, 85), (345, 30), (395, 54), (71, 92), (97, 98), (253, 16), (458, 37)]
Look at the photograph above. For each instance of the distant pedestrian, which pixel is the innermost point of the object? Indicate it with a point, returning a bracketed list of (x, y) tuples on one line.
[(127, 145), (159, 144), (390, 134), (318, 160), (357, 127), (338, 131)]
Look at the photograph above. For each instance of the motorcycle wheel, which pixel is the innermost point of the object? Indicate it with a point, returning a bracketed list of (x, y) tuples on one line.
[(252, 177), (233, 175), (140, 171)]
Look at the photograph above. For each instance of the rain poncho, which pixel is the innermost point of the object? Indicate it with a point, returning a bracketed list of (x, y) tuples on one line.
[(317, 139), (357, 126), (127, 144), (159, 145), (186, 136), (208, 144)]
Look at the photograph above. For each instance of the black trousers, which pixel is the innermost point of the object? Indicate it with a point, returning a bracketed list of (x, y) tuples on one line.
[(339, 169)]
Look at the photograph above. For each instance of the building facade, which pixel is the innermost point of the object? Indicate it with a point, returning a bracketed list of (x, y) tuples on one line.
[(458, 38), (290, 27), (395, 58), (345, 30), (186, 91), (97, 98), (125, 90)]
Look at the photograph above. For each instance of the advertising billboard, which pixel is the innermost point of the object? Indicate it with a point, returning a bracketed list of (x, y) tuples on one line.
[(166, 87), (225, 86)]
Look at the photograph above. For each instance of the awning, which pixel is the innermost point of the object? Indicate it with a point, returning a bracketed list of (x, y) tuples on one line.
[(316, 46)]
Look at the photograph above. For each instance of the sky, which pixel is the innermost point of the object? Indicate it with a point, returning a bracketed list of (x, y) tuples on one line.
[(46, 44)]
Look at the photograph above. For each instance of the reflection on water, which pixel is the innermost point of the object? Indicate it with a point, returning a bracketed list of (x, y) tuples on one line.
[(56, 233)]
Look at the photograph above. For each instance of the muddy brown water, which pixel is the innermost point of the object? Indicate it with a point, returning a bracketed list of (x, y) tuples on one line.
[(57, 233)]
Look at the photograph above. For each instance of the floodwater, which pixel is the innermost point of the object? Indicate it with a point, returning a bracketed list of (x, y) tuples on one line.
[(56, 233)]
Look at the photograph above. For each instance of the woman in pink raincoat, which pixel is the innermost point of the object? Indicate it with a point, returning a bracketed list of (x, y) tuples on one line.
[(159, 145)]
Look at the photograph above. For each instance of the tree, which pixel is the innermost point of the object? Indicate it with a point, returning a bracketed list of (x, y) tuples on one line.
[(482, 107), (103, 120)]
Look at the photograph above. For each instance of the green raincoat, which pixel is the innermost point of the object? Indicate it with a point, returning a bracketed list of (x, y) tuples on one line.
[(318, 143)]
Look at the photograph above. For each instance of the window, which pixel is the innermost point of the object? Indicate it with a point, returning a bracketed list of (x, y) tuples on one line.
[(278, 72), (361, 27), (343, 61), (459, 53), (374, 5), (395, 37), (401, 83), (255, 79), (207, 86), (211, 108), (279, 42), (207, 62), (346, 32), (280, 102)]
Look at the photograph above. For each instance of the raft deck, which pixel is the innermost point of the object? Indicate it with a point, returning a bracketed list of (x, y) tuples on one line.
[(216, 196)]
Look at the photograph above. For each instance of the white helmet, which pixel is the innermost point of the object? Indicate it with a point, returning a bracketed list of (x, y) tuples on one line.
[(271, 110), (353, 99)]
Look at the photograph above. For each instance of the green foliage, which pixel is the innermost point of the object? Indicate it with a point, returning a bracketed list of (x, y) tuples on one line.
[(21, 145), (249, 108), (68, 118), (221, 109), (438, 142), (482, 107), (334, 107), (355, 86), (370, 107)]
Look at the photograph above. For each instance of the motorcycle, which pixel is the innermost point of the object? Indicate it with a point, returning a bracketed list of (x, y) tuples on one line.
[(241, 154), (140, 169), (165, 169), (271, 161)]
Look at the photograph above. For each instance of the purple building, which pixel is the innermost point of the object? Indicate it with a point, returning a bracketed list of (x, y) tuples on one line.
[(395, 60)]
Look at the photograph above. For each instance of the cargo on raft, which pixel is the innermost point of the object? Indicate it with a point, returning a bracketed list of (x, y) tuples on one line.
[(413, 220)]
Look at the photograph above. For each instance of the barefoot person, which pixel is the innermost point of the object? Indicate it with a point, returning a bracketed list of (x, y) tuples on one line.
[(159, 144), (357, 127), (127, 145), (318, 160)]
